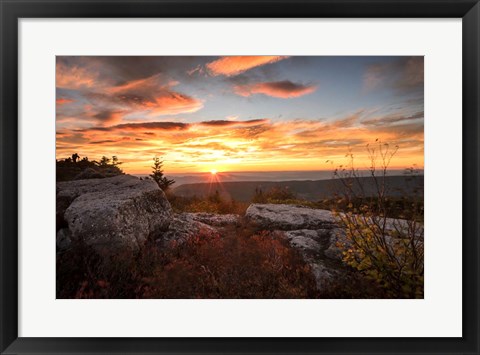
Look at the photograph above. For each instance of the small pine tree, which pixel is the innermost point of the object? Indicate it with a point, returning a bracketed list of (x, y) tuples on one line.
[(115, 161), (157, 175), (104, 161)]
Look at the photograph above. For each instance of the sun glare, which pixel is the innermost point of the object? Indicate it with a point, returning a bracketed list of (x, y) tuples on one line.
[(213, 171)]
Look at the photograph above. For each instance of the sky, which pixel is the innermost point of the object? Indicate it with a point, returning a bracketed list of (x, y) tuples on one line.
[(242, 113)]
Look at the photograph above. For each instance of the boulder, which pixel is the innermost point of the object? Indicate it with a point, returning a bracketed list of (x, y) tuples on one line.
[(63, 239), (182, 227), (111, 213), (309, 242), (312, 245), (289, 217), (325, 273)]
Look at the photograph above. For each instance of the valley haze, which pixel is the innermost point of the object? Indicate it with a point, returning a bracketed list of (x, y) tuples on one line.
[(273, 176)]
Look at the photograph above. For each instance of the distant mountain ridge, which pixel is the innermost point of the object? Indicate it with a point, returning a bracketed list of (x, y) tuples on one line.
[(256, 176), (311, 190)]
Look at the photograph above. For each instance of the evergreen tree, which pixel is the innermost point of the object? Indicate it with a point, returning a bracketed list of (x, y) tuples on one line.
[(157, 174), (104, 161)]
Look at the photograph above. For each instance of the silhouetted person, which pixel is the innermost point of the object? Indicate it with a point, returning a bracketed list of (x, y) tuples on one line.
[(75, 157)]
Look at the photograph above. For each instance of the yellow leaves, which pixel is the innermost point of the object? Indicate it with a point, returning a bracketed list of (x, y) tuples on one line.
[(385, 257)]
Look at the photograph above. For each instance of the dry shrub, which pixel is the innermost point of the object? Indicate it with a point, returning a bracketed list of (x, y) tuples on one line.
[(232, 266), (388, 252), (83, 273), (352, 285), (211, 204), (276, 194), (236, 264)]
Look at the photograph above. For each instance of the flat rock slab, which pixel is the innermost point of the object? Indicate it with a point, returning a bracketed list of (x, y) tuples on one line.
[(213, 219), (290, 217)]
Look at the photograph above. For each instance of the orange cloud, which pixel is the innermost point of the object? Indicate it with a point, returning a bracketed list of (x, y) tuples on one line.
[(171, 103), (259, 144), (109, 116), (282, 89), (62, 100), (153, 94), (153, 82), (74, 77), (230, 66)]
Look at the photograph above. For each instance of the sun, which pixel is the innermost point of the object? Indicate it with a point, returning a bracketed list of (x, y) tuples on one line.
[(213, 171)]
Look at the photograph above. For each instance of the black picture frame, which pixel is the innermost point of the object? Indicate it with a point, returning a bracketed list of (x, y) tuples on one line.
[(12, 11)]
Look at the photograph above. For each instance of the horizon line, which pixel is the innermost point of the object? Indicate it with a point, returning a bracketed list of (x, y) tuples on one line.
[(270, 171)]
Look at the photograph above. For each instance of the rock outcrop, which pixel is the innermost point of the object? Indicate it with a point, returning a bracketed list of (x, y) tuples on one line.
[(289, 217), (314, 246), (315, 233), (182, 227), (216, 220), (188, 224), (311, 231), (111, 213)]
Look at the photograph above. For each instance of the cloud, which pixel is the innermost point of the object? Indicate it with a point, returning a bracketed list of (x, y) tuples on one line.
[(63, 100), (170, 126), (116, 101), (103, 142), (128, 68), (230, 66), (252, 132), (223, 123), (143, 85), (152, 96), (197, 70), (254, 144), (109, 116), (404, 74), (165, 126), (110, 84), (171, 103), (413, 73), (282, 89), (74, 76), (387, 120), (346, 122)]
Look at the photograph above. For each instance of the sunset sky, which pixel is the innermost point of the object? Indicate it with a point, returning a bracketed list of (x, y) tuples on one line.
[(263, 113)]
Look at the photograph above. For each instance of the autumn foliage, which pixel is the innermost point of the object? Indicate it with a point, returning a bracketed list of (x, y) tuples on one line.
[(236, 264), (386, 251)]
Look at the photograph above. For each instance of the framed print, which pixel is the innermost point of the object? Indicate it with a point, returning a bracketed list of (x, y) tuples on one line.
[(233, 177)]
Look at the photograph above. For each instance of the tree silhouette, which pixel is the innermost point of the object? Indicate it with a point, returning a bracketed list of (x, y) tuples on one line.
[(157, 175), (115, 161), (104, 161)]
